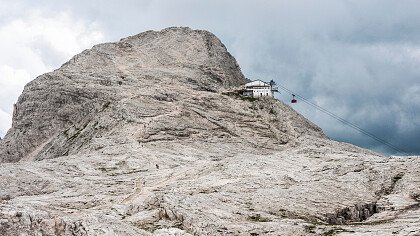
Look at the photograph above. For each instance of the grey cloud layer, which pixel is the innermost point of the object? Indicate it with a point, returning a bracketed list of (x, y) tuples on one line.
[(358, 59)]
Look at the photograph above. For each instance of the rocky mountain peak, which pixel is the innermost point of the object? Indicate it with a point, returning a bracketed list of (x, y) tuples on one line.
[(175, 50), (170, 80), (140, 137)]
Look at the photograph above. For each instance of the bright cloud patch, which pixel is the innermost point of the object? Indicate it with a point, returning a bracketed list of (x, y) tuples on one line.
[(34, 44), (5, 121)]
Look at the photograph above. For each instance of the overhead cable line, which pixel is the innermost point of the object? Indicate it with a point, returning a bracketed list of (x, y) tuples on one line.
[(348, 123)]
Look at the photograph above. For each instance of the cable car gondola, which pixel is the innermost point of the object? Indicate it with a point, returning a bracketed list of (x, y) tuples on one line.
[(293, 100)]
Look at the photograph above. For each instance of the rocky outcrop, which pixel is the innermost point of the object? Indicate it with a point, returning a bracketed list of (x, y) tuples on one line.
[(163, 83), (139, 137), (151, 65)]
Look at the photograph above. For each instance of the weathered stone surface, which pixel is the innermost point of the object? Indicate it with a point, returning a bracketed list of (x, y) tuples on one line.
[(138, 138), (151, 67)]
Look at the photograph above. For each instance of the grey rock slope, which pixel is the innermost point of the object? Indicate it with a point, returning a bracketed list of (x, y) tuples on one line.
[(149, 67), (138, 137)]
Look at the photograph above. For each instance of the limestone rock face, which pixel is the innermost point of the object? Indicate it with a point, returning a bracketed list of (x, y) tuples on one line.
[(150, 67), (138, 137)]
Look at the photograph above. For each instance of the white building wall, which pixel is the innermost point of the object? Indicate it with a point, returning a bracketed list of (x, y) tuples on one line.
[(259, 88), (261, 92)]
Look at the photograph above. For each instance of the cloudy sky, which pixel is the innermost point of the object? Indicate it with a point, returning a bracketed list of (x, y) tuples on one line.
[(358, 59)]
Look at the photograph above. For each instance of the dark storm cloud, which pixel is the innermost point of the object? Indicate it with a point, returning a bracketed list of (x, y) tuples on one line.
[(358, 59)]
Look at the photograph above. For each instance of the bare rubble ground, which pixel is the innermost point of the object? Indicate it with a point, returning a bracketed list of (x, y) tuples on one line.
[(138, 138)]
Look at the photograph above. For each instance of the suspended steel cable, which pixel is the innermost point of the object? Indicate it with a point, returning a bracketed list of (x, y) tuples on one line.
[(348, 123)]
